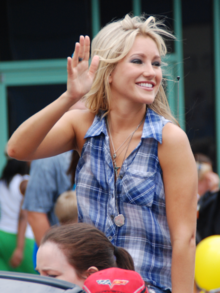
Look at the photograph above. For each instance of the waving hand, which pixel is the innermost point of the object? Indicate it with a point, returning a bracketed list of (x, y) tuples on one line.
[(80, 75)]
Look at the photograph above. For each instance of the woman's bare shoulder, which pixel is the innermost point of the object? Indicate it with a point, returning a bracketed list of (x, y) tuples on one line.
[(175, 146), (173, 135)]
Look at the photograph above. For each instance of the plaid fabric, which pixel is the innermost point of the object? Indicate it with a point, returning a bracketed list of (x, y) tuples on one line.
[(140, 198)]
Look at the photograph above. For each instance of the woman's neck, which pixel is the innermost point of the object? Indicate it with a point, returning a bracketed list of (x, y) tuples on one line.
[(125, 117)]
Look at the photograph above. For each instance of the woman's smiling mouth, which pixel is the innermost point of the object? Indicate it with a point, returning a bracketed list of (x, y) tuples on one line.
[(146, 85)]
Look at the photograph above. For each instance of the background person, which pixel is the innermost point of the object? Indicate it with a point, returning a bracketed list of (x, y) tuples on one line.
[(208, 180), (16, 236), (208, 222), (48, 179), (80, 249), (66, 208), (136, 179)]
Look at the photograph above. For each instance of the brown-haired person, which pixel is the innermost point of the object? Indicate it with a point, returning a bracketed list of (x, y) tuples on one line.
[(208, 222), (72, 252)]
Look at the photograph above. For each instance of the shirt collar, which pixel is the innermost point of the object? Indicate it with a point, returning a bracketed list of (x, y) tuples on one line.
[(152, 126), (98, 126)]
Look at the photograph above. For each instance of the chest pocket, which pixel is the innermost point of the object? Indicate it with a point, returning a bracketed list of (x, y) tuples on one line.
[(138, 188)]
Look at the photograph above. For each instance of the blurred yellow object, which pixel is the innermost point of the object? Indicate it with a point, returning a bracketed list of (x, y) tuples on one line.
[(207, 266)]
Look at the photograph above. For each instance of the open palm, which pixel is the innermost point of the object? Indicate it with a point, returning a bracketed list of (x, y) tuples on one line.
[(80, 75)]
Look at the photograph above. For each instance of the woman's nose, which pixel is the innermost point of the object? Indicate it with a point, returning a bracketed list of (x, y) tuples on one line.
[(149, 70)]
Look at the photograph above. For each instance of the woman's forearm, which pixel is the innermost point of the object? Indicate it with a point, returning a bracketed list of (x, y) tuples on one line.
[(33, 139), (183, 259), (30, 134)]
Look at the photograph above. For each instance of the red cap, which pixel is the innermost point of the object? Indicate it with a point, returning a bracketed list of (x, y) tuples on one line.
[(115, 280)]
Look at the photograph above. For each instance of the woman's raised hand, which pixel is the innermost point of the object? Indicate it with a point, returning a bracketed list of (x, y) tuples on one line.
[(80, 75)]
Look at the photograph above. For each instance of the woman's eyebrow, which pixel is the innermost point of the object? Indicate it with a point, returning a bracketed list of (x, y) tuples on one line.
[(144, 55)]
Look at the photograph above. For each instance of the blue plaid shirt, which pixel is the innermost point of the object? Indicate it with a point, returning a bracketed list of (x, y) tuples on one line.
[(140, 198)]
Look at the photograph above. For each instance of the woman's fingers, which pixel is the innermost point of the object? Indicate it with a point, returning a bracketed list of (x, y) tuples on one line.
[(69, 67), (86, 48), (75, 55), (94, 65), (81, 47), (82, 50)]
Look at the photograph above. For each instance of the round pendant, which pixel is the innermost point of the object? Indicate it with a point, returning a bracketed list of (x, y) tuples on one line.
[(119, 220)]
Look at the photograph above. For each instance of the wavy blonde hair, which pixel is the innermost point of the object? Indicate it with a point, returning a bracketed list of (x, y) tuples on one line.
[(112, 44)]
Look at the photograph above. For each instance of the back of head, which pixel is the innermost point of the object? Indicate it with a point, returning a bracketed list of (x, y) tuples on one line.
[(66, 207), (85, 246), (115, 280), (112, 44), (12, 168)]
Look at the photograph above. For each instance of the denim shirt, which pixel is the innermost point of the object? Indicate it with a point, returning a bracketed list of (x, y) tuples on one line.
[(48, 179), (139, 197)]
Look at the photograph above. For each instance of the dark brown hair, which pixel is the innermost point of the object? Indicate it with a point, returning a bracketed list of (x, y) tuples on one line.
[(86, 246), (72, 167), (12, 168)]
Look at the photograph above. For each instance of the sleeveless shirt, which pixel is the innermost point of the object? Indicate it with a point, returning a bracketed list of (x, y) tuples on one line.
[(138, 194)]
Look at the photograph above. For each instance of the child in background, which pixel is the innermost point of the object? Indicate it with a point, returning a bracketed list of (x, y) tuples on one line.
[(66, 208)]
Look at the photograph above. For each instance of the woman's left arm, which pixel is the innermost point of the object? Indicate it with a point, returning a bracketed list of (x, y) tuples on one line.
[(180, 183)]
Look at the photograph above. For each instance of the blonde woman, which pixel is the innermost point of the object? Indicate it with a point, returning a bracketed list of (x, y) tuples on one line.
[(136, 179)]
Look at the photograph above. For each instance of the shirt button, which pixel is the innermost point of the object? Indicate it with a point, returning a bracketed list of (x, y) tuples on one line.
[(112, 217), (109, 238), (120, 176)]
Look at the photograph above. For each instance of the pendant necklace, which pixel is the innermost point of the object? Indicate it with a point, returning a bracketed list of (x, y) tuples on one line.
[(114, 156), (119, 220)]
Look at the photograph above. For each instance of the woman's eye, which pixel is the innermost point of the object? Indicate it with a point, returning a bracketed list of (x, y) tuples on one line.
[(157, 63), (52, 276), (136, 61)]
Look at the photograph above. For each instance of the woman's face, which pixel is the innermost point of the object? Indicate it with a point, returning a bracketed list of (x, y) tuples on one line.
[(137, 77), (52, 262)]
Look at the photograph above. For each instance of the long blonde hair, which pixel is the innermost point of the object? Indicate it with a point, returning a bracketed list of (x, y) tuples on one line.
[(112, 44)]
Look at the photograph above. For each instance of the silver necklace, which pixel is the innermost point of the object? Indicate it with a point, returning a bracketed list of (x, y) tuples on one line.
[(119, 220), (114, 156)]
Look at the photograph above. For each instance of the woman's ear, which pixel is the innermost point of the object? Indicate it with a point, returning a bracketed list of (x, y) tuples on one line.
[(91, 271)]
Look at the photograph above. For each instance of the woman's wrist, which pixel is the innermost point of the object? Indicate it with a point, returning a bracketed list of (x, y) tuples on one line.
[(68, 100)]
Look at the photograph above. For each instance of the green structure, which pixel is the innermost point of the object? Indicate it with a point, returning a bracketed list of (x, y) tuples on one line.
[(20, 73)]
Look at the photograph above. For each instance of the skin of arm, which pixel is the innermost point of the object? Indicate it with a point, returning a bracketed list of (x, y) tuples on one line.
[(37, 137), (17, 255), (39, 224), (180, 183)]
